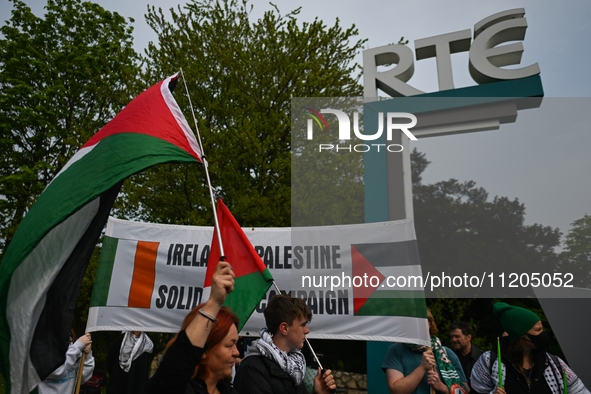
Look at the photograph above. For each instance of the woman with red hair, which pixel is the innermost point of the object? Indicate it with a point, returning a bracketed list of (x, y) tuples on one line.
[(199, 359)]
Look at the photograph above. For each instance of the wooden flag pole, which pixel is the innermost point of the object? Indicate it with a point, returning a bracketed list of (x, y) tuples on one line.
[(434, 370), (80, 372), (432, 388), (215, 216)]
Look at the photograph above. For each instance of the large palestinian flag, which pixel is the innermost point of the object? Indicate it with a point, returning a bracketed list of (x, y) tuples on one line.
[(43, 267)]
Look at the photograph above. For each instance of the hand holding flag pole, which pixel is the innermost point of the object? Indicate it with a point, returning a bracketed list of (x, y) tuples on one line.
[(251, 275), (432, 391), (322, 370), (217, 225)]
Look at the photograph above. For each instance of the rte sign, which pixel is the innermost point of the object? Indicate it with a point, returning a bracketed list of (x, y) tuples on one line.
[(486, 59)]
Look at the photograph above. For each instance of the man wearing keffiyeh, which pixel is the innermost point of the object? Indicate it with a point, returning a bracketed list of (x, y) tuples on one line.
[(275, 363), (416, 369)]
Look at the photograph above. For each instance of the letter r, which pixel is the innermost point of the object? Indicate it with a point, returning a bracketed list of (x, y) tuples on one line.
[(400, 126)]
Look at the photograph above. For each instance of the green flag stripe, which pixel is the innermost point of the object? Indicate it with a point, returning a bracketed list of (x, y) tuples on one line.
[(85, 180), (249, 290), (102, 282), (395, 303), (81, 183), (112, 160)]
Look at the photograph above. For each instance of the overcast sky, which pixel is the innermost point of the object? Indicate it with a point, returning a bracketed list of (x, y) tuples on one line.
[(543, 159)]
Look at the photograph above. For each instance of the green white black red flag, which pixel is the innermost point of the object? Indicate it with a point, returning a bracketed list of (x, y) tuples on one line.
[(45, 262)]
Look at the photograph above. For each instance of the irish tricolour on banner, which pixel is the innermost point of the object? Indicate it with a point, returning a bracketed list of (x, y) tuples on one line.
[(43, 267), (361, 282)]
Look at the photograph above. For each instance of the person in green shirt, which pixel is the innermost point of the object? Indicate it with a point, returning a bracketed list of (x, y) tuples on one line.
[(414, 369)]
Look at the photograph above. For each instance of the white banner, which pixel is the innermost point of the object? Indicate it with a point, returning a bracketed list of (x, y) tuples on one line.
[(361, 282)]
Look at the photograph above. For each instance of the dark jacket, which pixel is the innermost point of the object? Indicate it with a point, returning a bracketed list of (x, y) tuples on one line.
[(468, 363), (121, 382), (515, 381), (198, 386), (258, 374), (178, 365)]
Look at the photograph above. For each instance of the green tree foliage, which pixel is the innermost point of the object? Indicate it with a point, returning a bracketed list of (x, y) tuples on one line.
[(576, 257), (241, 75), (459, 229), (62, 77)]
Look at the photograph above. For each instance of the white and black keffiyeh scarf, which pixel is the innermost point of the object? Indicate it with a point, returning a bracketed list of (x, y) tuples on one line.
[(132, 347), (485, 378), (292, 363)]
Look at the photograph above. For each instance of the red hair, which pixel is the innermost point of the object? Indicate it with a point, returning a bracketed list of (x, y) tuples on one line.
[(226, 318)]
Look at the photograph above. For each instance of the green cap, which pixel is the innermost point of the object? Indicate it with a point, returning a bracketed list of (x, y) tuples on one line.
[(516, 321)]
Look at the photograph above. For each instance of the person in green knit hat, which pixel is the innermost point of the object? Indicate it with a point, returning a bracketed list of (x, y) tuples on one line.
[(526, 366)]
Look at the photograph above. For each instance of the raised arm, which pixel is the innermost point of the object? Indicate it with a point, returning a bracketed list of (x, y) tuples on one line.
[(181, 358), (222, 285), (71, 357)]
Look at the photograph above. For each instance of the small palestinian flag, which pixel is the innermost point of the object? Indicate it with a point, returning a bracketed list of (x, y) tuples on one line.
[(253, 278), (43, 267), (385, 262)]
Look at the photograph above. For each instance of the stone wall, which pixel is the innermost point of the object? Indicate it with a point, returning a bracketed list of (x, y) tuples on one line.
[(350, 383)]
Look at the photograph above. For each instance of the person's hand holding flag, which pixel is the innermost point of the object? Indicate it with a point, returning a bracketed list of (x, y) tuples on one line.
[(222, 284), (324, 382)]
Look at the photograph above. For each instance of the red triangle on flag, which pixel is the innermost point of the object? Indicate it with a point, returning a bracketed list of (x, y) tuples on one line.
[(364, 270)]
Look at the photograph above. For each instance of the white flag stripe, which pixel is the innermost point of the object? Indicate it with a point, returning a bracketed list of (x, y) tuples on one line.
[(119, 296), (30, 281), (178, 115)]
